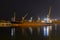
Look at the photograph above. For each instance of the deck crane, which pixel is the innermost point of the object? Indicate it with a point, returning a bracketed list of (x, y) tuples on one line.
[(23, 18)]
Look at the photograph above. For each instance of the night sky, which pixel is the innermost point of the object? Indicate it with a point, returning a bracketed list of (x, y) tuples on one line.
[(34, 8)]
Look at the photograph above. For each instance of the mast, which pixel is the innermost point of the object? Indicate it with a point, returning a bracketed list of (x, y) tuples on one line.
[(14, 17), (48, 20)]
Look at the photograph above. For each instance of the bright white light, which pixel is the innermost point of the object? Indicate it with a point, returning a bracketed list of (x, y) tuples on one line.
[(12, 31), (45, 18), (55, 19), (46, 31), (43, 21)]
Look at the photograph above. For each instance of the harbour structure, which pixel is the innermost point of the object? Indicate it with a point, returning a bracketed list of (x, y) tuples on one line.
[(29, 23)]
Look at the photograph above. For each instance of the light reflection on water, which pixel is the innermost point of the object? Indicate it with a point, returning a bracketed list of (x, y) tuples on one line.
[(31, 34), (46, 31), (12, 31)]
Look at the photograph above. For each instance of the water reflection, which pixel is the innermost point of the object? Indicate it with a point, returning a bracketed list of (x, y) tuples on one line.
[(38, 33), (12, 31), (30, 30), (46, 30)]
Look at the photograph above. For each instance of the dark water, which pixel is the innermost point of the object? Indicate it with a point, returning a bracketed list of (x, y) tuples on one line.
[(5, 34)]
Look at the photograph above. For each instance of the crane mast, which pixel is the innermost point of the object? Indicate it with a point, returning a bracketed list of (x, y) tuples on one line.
[(49, 13)]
